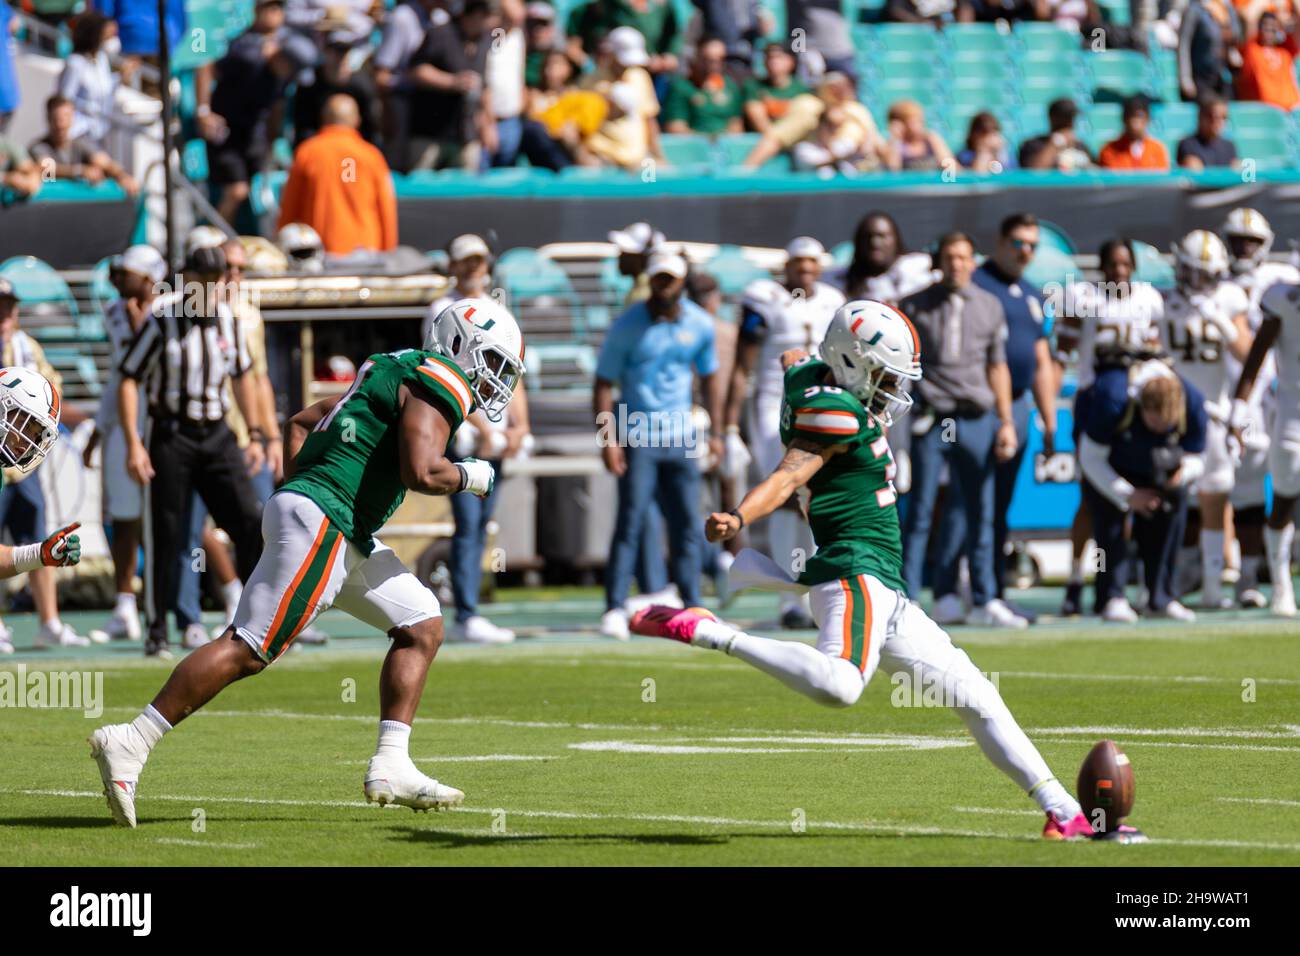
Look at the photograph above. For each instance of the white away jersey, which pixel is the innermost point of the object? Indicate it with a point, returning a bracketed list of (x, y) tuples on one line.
[(1282, 300), (1255, 283), (771, 314), (1193, 338), (1095, 316), (910, 273)]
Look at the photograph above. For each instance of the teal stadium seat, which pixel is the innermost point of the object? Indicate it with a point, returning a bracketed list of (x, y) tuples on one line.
[(842, 253), (732, 150), (1244, 116), (194, 161), (977, 38), (1270, 149), (682, 149), (1174, 120), (919, 39), (527, 274), (49, 308), (1052, 236), (1052, 266), (102, 292), (614, 286), (1151, 267), (1045, 42), (733, 270), (1117, 74)]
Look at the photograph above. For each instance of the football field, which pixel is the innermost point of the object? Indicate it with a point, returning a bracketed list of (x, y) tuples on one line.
[(573, 749)]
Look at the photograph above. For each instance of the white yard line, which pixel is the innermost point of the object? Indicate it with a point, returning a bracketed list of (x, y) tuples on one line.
[(472, 758), (902, 829), (1262, 801), (206, 844)]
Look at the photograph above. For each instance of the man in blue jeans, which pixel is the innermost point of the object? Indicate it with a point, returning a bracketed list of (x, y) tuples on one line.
[(652, 353), (964, 419)]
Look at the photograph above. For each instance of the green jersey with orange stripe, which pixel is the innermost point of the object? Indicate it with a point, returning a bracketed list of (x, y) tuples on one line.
[(852, 499), (349, 464)]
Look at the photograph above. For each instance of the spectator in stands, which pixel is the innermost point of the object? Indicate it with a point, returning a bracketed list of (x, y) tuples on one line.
[(635, 245), (404, 31), (251, 81), (1208, 147), (934, 12), (706, 100), (18, 171), (1035, 374), (63, 157), (88, 79), (1060, 149), (853, 128), (1268, 60), (881, 269), (652, 352), (1134, 149), (825, 35), (349, 17), (654, 20), (137, 27), (631, 132), (469, 266), (452, 120), (1141, 449), (10, 95), (335, 75), (504, 81), (767, 99), (964, 419), (917, 147), (561, 118), (986, 149), (22, 500), (340, 185), (1208, 36), (541, 38)]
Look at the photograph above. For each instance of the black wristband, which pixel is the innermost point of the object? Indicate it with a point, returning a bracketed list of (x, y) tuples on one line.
[(739, 516), (464, 477)]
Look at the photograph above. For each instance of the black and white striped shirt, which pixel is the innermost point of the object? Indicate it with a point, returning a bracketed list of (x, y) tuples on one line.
[(183, 361)]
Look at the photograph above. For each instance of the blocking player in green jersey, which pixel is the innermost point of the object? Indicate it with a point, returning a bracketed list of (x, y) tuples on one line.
[(833, 423), (349, 461)]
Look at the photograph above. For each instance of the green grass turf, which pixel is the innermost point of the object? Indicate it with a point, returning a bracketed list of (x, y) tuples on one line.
[(276, 763)]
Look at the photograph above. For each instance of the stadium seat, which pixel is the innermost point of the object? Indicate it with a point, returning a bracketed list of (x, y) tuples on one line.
[(733, 149), (194, 161), (733, 270), (1117, 74), (557, 366), (842, 253), (1245, 116), (48, 306), (264, 191), (1174, 120), (918, 38), (1046, 41), (977, 38), (682, 149), (102, 292), (525, 273), (614, 286), (1052, 266), (1151, 267), (1052, 236), (1271, 149)]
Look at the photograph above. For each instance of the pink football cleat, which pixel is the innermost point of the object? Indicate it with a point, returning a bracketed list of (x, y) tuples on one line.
[(674, 623), (1071, 830)]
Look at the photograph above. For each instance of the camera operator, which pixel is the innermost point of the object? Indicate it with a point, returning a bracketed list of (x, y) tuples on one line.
[(1144, 431)]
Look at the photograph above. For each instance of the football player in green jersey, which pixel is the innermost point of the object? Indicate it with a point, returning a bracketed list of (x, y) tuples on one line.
[(350, 460), (833, 422)]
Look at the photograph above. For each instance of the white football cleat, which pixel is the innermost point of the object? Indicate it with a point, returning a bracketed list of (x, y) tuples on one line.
[(119, 628), (669, 596), (120, 753), (196, 635), (613, 623), (1283, 603), (1176, 612), (996, 614), (1119, 611), (1252, 597), (399, 781), (61, 635), (479, 630), (949, 610), (6, 646)]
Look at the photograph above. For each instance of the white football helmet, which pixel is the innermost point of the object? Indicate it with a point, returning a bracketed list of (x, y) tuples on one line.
[(1200, 259), (872, 348), (302, 244), (483, 338), (1246, 223), (29, 418)]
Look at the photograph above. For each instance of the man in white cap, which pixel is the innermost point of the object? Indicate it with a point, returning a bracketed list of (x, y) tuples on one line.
[(631, 133), (470, 266), (137, 275), (652, 352), (776, 316), (635, 245)]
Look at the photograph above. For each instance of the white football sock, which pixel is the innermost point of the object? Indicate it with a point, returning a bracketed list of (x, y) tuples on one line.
[(151, 726), (1277, 543), (125, 606), (394, 739), (1056, 800), (230, 594), (1076, 569), (1211, 561), (827, 680)]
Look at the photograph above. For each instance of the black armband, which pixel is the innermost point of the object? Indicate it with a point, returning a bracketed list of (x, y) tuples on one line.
[(739, 517)]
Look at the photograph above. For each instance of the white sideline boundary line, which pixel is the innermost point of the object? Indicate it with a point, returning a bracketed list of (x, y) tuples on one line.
[(885, 829)]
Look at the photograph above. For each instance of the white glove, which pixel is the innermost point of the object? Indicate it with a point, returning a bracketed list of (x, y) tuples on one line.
[(1240, 415), (476, 476), (735, 456), (1212, 314)]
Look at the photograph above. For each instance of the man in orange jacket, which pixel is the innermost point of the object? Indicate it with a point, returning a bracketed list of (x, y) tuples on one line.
[(340, 185)]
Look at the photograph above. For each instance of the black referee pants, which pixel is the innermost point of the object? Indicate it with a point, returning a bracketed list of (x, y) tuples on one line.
[(189, 458), (1158, 538)]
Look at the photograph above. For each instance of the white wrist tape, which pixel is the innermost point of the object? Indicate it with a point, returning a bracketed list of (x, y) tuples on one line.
[(27, 557)]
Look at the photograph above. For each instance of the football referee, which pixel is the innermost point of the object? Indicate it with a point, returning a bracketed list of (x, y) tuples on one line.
[(179, 360)]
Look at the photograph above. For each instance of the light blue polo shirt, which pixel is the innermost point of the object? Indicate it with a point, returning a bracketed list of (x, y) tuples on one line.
[(654, 362)]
